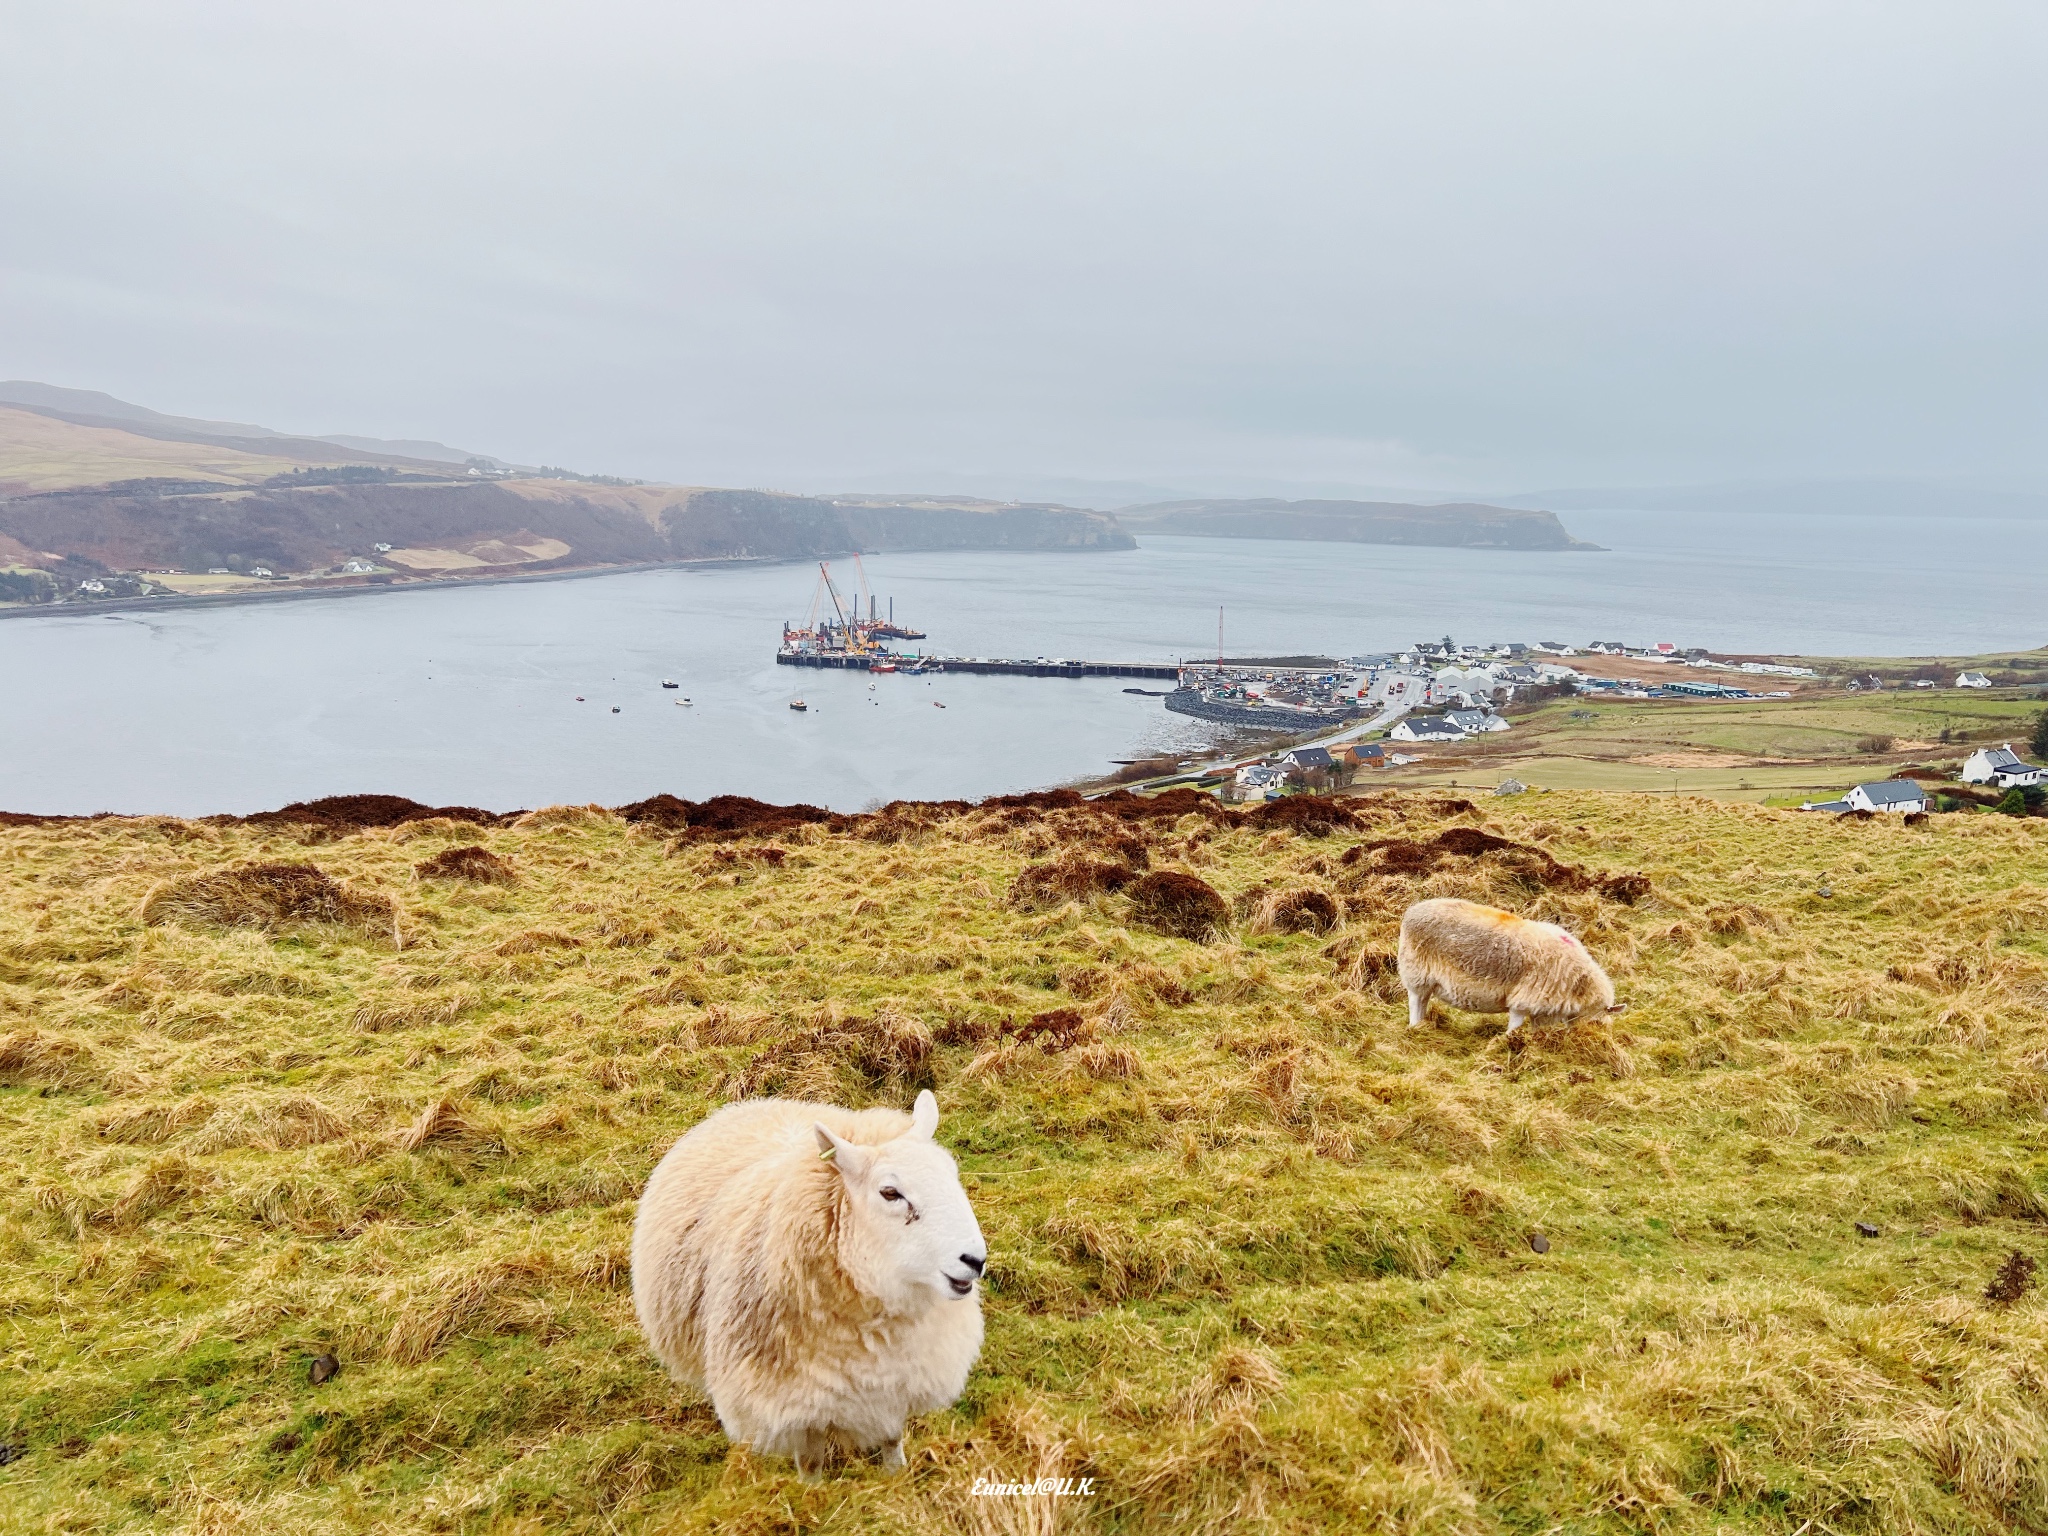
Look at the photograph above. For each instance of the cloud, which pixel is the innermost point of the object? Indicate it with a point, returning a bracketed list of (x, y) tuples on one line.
[(1467, 244)]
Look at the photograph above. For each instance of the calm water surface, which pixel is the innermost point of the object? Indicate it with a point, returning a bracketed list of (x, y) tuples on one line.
[(469, 695)]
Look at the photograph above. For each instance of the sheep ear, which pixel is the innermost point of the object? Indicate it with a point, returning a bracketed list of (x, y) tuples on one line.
[(850, 1158), (924, 1117)]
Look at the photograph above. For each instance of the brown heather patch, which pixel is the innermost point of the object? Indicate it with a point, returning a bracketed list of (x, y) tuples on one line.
[(1260, 1255), (472, 862), (1179, 905)]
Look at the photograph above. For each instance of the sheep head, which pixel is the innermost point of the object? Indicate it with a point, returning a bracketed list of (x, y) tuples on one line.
[(909, 1238)]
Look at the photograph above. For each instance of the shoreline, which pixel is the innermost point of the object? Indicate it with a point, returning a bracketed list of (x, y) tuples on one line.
[(362, 588)]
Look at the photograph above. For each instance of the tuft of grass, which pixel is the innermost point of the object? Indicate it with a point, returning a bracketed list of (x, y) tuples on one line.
[(1261, 1258)]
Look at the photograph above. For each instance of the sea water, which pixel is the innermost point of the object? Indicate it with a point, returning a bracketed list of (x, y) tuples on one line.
[(521, 694)]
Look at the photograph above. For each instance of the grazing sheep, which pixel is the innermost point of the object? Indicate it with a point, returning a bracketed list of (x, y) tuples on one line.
[(1484, 960), (813, 1271)]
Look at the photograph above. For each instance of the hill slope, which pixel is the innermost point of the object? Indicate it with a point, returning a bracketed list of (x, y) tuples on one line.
[(1261, 1258)]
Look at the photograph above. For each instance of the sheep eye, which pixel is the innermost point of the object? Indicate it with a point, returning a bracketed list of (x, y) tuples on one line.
[(891, 1192)]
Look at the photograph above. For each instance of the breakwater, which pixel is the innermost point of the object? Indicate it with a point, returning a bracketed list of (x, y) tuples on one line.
[(983, 665), (1260, 717)]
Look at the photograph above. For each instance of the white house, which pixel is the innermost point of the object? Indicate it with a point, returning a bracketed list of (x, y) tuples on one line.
[(1473, 721), (1305, 758), (357, 568), (2003, 767), (1897, 795), (1426, 728), (1260, 778), (1972, 680)]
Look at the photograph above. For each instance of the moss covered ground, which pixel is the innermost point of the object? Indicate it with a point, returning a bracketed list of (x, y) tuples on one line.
[(1261, 1258)]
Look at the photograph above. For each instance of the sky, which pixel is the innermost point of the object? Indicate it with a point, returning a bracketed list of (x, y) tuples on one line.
[(887, 244)]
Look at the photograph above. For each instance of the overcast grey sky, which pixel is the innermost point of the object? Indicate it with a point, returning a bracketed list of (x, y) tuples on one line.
[(1491, 246)]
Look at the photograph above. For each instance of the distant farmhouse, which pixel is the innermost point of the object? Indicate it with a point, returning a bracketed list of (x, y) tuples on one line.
[(2003, 767), (1972, 680), (1900, 796), (1897, 795)]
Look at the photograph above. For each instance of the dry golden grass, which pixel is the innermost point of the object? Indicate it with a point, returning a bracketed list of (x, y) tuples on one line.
[(1261, 1258)]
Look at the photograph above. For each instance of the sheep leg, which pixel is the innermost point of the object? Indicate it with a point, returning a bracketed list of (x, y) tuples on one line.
[(814, 1456), (892, 1455), (1418, 1005), (1516, 1018)]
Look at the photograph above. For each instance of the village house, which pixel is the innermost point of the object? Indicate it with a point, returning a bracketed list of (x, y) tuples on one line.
[(1306, 757), (1473, 721), (1972, 680), (2002, 767), (1260, 780), (1901, 796), (1426, 728)]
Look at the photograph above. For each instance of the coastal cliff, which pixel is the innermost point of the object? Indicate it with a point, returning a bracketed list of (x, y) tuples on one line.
[(395, 530), (1458, 525)]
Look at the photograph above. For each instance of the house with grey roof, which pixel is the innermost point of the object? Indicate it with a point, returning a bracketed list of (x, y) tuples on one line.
[(2003, 767), (1897, 796), (1473, 721), (1426, 728)]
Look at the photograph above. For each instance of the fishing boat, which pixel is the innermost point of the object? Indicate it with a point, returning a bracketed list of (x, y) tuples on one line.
[(667, 684), (883, 666), (798, 705)]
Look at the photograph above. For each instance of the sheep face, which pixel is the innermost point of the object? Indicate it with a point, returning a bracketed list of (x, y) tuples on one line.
[(910, 1238)]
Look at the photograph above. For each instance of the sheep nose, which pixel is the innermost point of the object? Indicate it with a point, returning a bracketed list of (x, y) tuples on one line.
[(972, 1262)]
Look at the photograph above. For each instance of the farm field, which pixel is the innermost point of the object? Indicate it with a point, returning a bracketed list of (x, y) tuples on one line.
[(1261, 1258), (1740, 749)]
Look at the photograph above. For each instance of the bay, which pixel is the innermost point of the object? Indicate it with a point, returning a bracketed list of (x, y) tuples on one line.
[(469, 695)]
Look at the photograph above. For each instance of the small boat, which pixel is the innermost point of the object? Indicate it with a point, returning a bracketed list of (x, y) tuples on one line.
[(883, 666), (579, 698), (667, 684), (798, 705), (615, 709), (937, 705)]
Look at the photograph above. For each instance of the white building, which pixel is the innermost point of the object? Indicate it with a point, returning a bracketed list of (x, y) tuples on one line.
[(2003, 767), (1426, 728), (1260, 779), (1972, 680), (1473, 721), (1900, 796)]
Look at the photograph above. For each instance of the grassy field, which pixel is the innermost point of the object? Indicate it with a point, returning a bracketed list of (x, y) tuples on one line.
[(1749, 749), (1262, 1259), (41, 453)]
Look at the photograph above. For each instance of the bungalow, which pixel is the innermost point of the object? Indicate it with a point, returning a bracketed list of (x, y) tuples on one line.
[(1426, 728), (1972, 680), (1837, 806), (1260, 776), (2002, 767), (1366, 754), (1608, 648), (1896, 795), (1305, 758), (1473, 721)]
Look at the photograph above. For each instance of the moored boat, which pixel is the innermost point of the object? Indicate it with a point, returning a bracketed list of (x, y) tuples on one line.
[(799, 705)]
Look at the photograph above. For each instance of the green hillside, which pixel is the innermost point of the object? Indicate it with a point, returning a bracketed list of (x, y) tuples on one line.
[(1261, 1258)]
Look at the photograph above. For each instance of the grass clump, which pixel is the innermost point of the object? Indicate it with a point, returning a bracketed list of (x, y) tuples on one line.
[(1261, 1258)]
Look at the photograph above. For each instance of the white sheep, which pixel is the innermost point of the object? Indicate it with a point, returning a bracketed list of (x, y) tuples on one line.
[(1484, 960), (813, 1271)]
